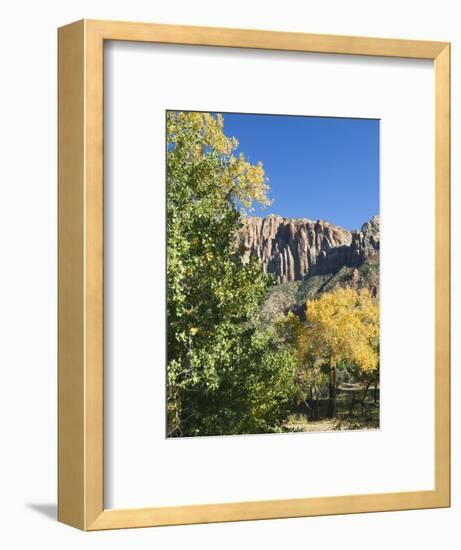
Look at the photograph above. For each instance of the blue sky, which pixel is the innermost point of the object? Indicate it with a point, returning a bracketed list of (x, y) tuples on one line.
[(318, 168)]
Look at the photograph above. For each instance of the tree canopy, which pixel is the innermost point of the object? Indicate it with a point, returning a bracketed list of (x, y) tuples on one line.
[(342, 329), (224, 374)]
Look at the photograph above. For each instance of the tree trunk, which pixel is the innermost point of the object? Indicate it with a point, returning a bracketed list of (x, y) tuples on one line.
[(332, 393), (316, 403), (309, 408), (351, 406), (364, 396)]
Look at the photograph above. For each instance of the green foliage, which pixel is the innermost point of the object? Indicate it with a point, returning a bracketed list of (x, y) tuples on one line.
[(224, 375)]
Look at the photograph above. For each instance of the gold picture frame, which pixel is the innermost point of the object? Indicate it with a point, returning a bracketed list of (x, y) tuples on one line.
[(81, 265)]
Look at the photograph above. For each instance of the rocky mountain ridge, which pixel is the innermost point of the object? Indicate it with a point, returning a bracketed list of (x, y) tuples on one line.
[(295, 249)]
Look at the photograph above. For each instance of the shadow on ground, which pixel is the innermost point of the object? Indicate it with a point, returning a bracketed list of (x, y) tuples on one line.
[(47, 510)]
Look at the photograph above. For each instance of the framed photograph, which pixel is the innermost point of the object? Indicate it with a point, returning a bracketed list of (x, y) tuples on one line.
[(254, 275)]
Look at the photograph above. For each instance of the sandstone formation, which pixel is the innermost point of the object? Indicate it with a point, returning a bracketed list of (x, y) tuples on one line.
[(294, 249), (366, 241)]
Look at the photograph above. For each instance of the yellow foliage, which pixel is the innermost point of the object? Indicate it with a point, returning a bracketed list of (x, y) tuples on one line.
[(342, 326), (244, 181)]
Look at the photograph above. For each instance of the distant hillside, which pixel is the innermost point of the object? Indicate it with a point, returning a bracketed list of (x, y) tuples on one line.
[(293, 296), (294, 249), (309, 258)]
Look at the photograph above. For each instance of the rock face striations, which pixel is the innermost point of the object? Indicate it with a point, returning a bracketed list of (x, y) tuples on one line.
[(293, 249)]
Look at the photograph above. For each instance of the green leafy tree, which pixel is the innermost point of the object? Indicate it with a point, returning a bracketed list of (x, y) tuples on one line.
[(311, 374), (224, 375)]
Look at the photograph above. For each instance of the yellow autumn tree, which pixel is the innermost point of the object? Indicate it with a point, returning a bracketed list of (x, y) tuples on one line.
[(196, 134), (342, 328)]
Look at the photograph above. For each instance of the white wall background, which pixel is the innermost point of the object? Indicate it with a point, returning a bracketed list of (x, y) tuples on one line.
[(28, 274)]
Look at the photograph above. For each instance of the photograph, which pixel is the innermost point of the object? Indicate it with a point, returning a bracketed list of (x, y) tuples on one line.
[(273, 236)]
